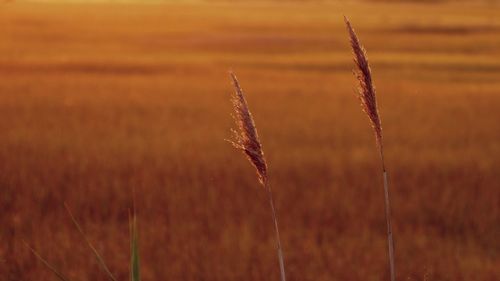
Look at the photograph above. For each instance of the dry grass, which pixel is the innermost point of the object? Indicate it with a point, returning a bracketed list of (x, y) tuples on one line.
[(368, 98), (95, 100), (247, 140)]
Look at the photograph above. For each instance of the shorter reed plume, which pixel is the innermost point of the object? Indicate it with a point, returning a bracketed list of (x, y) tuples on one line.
[(367, 96), (247, 140), (245, 137)]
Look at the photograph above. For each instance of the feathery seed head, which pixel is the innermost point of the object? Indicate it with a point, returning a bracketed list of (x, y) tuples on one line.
[(245, 137), (366, 89)]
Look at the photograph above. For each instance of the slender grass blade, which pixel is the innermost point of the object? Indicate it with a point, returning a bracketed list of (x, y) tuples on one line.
[(98, 257), (56, 272)]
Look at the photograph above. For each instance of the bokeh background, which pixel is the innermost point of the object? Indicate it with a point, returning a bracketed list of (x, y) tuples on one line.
[(98, 99)]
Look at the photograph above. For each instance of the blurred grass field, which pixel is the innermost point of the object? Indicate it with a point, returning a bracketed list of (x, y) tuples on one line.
[(98, 99)]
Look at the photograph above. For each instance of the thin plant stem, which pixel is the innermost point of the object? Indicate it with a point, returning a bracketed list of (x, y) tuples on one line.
[(390, 240), (276, 229)]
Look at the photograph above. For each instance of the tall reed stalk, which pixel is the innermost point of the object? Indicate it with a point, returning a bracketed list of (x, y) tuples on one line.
[(367, 96), (247, 140)]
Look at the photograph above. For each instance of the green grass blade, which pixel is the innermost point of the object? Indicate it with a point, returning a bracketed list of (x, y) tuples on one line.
[(134, 251), (98, 257), (58, 274)]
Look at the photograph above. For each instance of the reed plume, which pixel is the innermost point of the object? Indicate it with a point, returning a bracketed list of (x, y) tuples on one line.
[(246, 139), (367, 96)]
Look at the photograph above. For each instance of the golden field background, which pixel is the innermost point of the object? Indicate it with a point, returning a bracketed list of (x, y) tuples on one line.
[(98, 99)]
